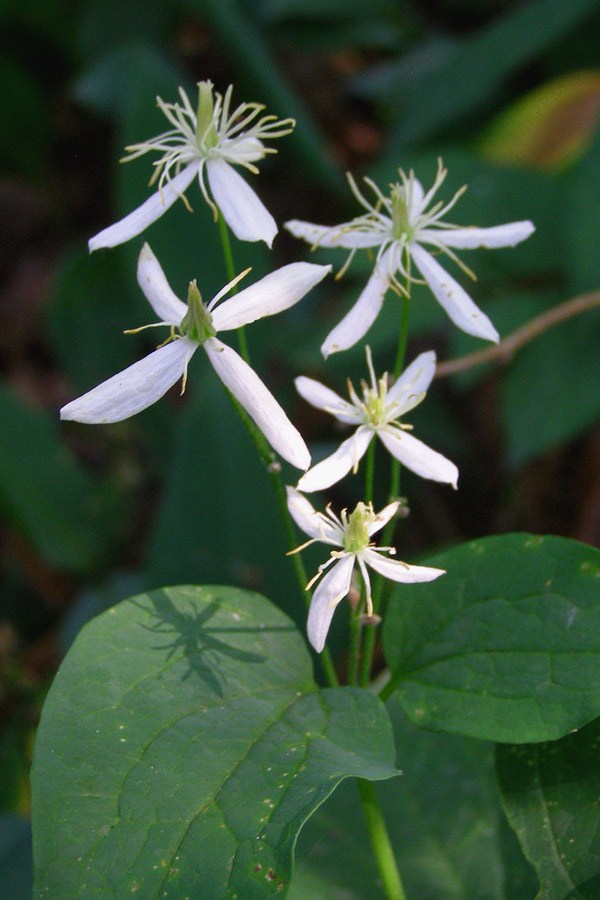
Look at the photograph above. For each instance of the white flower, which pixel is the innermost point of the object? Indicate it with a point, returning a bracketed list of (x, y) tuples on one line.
[(377, 414), (398, 226), (352, 533), (206, 140), (194, 325)]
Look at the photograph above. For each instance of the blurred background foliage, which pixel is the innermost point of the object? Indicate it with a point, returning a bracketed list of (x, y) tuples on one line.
[(506, 91)]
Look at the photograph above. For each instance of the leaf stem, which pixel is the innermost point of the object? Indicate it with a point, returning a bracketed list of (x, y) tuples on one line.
[(380, 841)]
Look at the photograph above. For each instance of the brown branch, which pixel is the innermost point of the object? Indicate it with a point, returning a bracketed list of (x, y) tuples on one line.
[(504, 351)]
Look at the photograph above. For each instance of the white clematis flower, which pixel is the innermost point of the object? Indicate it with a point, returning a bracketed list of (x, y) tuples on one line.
[(210, 140), (352, 533), (196, 325), (377, 413), (399, 225)]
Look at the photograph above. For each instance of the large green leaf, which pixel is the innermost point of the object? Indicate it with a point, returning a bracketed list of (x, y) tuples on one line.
[(550, 793), (445, 822), (506, 645), (182, 746)]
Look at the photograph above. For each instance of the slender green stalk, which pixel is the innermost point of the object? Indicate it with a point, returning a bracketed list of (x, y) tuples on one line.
[(403, 338), (371, 633), (355, 616), (369, 472), (380, 841), (268, 458), (231, 273), (273, 468), (354, 644)]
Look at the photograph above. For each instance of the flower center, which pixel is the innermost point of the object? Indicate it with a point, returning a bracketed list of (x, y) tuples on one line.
[(401, 226), (206, 132), (197, 322), (356, 536)]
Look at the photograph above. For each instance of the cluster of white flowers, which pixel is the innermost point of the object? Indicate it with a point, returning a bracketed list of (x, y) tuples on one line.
[(209, 141)]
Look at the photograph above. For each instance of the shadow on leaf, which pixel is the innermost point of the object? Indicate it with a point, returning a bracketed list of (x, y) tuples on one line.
[(199, 641)]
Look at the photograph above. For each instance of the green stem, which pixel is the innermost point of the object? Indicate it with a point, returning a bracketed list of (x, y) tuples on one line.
[(231, 273), (403, 338), (268, 458), (369, 472), (354, 652), (371, 633), (354, 644), (274, 470), (380, 841)]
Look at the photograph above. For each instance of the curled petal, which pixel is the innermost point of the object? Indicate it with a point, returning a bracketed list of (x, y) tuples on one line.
[(152, 280), (383, 517), (332, 588), (243, 150), (468, 238), (259, 403), (333, 235), (322, 397), (242, 210), (312, 523), (418, 457), (332, 469), (408, 390), (357, 322), (272, 294), (153, 208), (448, 292), (399, 571), (133, 389)]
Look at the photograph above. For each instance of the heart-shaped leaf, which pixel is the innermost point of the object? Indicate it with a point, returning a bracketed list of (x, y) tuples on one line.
[(506, 645), (550, 793), (182, 746)]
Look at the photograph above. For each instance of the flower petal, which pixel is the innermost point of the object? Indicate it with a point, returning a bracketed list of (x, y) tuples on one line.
[(335, 467), (242, 210), (417, 197), (448, 292), (332, 588), (133, 389), (383, 517), (152, 280), (138, 220), (468, 238), (333, 235), (399, 571), (322, 397), (357, 322), (312, 523), (413, 382), (272, 294), (259, 403), (418, 457)]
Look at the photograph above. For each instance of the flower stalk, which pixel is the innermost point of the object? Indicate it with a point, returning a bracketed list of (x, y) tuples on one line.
[(380, 841)]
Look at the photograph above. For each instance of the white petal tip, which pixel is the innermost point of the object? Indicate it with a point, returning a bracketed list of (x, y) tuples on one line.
[(302, 460), (304, 485)]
